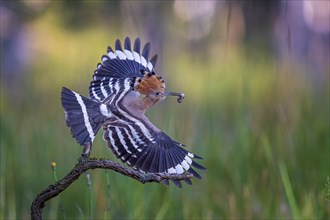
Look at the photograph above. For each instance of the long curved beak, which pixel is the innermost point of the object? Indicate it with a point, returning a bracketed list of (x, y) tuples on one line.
[(179, 95)]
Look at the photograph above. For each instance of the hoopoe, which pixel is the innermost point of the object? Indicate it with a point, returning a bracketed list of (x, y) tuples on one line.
[(123, 88)]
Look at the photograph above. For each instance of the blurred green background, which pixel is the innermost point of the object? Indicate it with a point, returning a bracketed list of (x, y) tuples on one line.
[(256, 79)]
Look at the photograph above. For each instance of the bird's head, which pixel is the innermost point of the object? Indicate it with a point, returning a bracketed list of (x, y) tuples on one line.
[(151, 89)]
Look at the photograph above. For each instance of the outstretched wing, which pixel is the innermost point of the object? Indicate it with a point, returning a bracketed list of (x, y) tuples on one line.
[(120, 64), (147, 150)]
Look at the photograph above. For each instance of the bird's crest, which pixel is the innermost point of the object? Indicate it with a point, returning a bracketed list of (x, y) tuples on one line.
[(150, 82)]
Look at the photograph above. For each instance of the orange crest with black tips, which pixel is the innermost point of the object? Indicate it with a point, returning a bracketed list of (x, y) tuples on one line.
[(149, 83)]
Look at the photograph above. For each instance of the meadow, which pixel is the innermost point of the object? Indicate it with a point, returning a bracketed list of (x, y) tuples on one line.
[(261, 125)]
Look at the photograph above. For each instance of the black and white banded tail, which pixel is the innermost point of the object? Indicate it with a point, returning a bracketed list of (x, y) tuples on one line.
[(83, 116)]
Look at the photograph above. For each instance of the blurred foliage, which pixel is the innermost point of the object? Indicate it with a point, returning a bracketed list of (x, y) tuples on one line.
[(260, 122)]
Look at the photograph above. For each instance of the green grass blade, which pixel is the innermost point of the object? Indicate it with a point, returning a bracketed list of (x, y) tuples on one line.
[(89, 185), (288, 190), (81, 212)]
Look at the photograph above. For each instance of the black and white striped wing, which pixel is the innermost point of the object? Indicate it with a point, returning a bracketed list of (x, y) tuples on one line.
[(120, 63), (150, 151)]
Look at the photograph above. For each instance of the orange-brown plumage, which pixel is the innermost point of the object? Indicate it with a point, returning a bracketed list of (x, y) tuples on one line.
[(150, 83)]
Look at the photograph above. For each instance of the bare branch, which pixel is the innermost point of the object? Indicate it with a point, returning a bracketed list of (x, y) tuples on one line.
[(85, 164)]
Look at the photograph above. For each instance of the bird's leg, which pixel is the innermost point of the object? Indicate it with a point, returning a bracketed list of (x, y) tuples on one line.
[(86, 152), (179, 95)]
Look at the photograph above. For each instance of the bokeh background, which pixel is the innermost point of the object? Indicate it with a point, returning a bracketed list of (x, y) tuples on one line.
[(256, 79)]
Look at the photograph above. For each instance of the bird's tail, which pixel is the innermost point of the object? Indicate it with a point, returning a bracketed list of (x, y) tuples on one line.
[(83, 116)]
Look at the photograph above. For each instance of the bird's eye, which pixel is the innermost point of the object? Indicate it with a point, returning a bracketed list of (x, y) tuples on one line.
[(157, 93)]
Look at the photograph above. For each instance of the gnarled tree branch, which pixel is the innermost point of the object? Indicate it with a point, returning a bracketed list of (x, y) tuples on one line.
[(85, 164)]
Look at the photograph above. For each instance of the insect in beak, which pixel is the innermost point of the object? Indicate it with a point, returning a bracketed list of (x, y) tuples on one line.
[(179, 95)]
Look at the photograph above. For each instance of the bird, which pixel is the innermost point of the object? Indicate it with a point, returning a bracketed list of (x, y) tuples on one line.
[(123, 88)]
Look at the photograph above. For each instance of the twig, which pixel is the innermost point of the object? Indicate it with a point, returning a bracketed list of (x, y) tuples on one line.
[(85, 164)]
